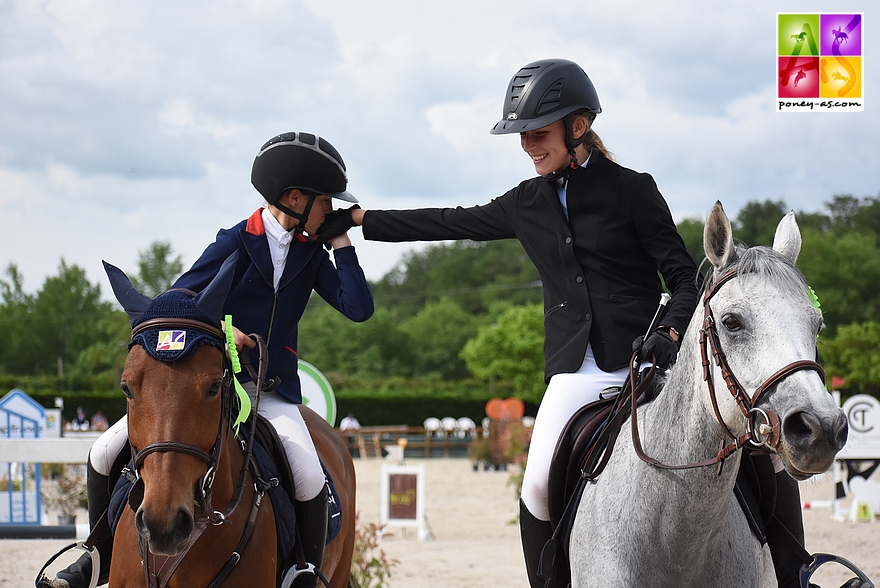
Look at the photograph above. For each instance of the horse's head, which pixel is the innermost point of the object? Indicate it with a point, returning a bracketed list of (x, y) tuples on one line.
[(760, 306), (173, 381)]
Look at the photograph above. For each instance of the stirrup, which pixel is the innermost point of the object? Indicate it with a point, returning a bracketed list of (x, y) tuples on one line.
[(42, 580), (295, 572), (824, 558)]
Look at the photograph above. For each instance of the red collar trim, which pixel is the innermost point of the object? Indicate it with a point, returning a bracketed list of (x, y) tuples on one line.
[(255, 223), (255, 226)]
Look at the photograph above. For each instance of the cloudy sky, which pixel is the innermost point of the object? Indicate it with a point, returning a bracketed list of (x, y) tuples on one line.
[(123, 123)]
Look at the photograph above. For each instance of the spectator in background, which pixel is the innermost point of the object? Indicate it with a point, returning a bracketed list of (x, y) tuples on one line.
[(80, 422), (99, 421)]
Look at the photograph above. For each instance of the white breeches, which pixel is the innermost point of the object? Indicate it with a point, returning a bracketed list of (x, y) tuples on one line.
[(308, 476), (565, 394)]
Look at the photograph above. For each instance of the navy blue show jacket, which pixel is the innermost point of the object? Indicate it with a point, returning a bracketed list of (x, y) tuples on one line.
[(256, 307)]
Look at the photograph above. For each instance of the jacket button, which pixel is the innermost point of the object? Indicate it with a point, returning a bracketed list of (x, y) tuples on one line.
[(579, 279), (568, 239), (588, 316)]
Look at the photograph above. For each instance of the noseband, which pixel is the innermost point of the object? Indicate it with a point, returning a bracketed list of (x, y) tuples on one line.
[(763, 427)]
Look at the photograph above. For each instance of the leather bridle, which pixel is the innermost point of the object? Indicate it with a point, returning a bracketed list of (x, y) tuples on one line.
[(158, 569), (763, 427)]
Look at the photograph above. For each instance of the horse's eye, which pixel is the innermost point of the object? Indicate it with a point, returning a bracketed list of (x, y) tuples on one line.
[(214, 389), (731, 323), (126, 390)]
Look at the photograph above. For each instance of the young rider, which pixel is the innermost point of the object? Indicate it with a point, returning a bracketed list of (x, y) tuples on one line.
[(279, 265)]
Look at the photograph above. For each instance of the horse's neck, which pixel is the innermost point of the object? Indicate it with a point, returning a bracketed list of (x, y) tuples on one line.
[(678, 428)]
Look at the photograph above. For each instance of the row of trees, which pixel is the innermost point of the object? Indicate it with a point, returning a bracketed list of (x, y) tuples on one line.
[(68, 328), (451, 311)]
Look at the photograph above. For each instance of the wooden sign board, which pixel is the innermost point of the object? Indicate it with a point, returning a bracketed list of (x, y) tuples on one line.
[(403, 497)]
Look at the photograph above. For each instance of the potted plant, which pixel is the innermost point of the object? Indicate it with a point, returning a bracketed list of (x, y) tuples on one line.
[(66, 493), (478, 452)]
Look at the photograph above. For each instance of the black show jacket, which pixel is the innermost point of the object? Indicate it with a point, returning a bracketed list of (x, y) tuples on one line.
[(598, 268)]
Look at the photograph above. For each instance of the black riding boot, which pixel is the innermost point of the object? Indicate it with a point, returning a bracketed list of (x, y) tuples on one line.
[(535, 533), (79, 573), (788, 514), (311, 522)]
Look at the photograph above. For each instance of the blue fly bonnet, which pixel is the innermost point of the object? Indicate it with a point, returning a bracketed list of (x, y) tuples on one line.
[(173, 325)]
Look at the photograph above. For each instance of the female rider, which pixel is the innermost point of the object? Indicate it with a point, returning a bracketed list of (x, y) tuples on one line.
[(598, 234)]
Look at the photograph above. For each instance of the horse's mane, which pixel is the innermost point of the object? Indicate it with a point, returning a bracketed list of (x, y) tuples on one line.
[(770, 265)]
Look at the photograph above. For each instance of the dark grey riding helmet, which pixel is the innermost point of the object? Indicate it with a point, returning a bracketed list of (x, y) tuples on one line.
[(303, 161), (543, 92)]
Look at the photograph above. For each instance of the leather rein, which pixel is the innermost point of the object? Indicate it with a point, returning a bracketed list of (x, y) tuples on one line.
[(158, 569), (763, 427)]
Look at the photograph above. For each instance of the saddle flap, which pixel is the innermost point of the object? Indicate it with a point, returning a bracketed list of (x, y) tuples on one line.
[(572, 446)]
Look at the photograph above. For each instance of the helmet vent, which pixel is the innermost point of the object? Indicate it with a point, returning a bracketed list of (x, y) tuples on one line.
[(552, 98), (517, 86)]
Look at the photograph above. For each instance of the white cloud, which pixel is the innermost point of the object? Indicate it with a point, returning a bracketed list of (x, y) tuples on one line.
[(126, 123)]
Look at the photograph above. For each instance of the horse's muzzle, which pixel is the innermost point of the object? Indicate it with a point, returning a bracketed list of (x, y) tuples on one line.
[(811, 442), (168, 538)]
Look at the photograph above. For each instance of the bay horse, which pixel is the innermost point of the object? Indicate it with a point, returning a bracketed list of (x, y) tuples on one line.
[(668, 523), (199, 507)]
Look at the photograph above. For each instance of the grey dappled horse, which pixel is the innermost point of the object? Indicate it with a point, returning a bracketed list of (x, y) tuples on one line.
[(641, 525)]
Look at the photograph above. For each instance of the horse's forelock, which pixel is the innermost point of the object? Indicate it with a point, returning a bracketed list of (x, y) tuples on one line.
[(771, 266)]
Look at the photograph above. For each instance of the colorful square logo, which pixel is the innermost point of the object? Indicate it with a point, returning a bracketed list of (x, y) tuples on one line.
[(171, 340), (819, 64)]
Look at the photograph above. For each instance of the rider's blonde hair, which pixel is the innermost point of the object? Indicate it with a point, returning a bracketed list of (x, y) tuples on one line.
[(592, 139)]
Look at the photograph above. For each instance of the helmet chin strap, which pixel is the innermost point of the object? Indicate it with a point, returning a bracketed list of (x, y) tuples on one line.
[(564, 173), (303, 217)]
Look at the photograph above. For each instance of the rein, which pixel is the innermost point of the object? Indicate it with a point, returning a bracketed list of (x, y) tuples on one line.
[(158, 569), (763, 428)]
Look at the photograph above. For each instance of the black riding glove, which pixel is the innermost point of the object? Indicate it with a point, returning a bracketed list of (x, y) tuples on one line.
[(661, 345), (336, 223)]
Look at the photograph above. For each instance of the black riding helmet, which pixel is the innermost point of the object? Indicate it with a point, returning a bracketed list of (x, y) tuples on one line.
[(545, 91), (303, 161)]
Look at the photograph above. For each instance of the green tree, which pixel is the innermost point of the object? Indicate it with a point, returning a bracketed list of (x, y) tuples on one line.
[(66, 319), (106, 356), (691, 231), (844, 271), (335, 344), (157, 271), (854, 354), (438, 334), (756, 222), (473, 274), (15, 322), (511, 349)]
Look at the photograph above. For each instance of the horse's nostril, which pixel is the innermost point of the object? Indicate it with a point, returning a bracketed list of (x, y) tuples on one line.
[(800, 425), (139, 522), (184, 523)]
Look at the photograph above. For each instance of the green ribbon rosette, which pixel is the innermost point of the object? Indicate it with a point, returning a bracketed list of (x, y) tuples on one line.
[(244, 401)]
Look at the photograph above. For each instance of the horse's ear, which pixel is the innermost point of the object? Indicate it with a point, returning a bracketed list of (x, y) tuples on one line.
[(211, 299), (133, 302), (718, 237), (787, 240)]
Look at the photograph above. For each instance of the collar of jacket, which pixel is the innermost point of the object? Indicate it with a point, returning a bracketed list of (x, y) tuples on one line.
[(255, 226), (255, 242)]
